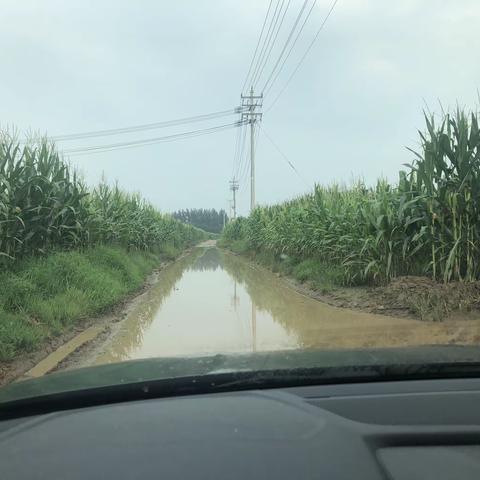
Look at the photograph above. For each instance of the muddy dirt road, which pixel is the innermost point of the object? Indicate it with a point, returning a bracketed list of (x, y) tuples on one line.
[(213, 302)]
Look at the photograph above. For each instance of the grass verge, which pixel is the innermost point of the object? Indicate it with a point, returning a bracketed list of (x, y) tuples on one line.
[(318, 275), (44, 296), (419, 297)]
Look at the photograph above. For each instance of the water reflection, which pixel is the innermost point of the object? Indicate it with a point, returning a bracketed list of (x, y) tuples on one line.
[(212, 259), (214, 302), (209, 260), (130, 333)]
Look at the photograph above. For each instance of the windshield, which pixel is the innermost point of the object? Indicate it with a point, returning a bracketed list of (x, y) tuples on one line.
[(237, 185)]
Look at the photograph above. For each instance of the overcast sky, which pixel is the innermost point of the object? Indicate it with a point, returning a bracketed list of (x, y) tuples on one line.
[(78, 65)]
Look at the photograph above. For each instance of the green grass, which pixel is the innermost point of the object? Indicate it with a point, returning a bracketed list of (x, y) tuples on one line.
[(43, 296), (236, 246), (169, 252), (239, 246), (317, 274), (320, 275)]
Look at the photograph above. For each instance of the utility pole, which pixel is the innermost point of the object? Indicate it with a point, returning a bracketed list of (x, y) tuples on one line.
[(250, 103), (234, 188), (235, 299)]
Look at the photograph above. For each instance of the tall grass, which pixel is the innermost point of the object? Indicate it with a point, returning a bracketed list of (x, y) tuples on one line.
[(45, 206), (426, 224), (43, 296)]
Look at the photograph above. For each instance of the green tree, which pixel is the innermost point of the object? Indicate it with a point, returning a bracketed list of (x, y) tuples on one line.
[(209, 220)]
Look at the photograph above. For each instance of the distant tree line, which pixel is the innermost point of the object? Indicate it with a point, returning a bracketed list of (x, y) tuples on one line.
[(209, 220)]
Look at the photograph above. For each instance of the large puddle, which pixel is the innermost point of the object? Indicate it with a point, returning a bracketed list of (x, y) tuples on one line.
[(213, 302)]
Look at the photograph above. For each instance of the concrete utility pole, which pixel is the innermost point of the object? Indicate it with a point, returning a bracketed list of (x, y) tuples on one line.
[(250, 103), (234, 188)]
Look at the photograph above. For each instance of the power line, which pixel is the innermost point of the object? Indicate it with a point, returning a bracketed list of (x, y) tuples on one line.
[(286, 44), (266, 40), (241, 147), (267, 57), (243, 173), (240, 166), (150, 141), (292, 30), (304, 55), (291, 165), (258, 44), (238, 134), (242, 152), (146, 126)]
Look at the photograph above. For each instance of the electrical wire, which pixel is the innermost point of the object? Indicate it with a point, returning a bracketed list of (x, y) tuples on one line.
[(244, 165), (287, 42), (241, 156), (266, 40), (303, 57), (291, 165), (238, 134), (242, 181), (258, 44), (267, 57), (149, 141), (146, 126)]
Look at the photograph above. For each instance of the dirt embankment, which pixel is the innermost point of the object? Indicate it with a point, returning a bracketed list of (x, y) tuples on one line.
[(414, 297), (410, 296)]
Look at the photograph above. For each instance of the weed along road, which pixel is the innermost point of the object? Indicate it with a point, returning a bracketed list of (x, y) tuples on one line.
[(211, 301)]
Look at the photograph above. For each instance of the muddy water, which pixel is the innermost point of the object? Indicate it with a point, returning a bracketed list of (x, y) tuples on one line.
[(214, 302)]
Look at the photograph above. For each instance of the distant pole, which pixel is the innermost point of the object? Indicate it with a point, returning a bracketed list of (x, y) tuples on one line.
[(251, 103), (235, 298), (234, 188)]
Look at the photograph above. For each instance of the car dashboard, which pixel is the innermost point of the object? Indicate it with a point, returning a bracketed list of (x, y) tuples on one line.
[(422, 429)]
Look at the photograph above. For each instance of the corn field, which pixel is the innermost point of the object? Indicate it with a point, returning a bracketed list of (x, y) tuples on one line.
[(44, 205), (426, 224)]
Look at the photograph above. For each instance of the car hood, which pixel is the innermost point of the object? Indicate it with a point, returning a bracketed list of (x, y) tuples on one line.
[(256, 369)]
